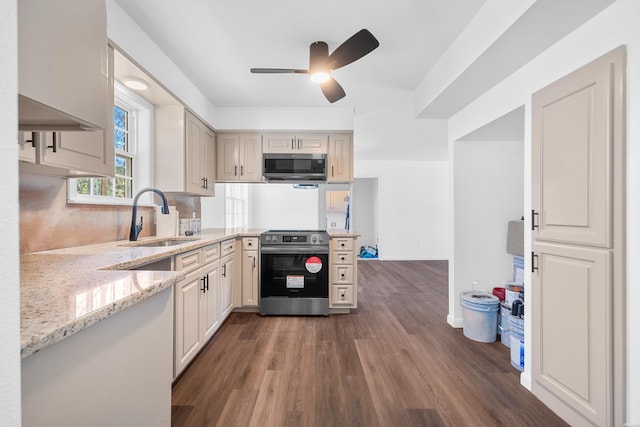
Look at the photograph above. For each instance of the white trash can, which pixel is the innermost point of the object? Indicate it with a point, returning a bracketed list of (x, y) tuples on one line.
[(480, 315)]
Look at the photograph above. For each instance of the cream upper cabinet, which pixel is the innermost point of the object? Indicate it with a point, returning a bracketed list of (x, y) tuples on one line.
[(340, 159), (27, 146), (295, 143), (63, 65), (239, 157), (184, 152), (71, 151)]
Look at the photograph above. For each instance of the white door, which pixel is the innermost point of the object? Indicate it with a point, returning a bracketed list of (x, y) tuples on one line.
[(577, 242)]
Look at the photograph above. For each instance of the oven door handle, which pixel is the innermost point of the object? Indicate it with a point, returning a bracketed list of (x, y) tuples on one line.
[(295, 250)]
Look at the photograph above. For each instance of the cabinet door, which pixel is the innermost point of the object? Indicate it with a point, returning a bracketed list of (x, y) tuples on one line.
[(27, 146), (226, 286), (84, 151), (228, 157), (278, 142), (209, 304), (250, 278), (208, 161), (340, 158), (251, 157), (311, 143), (188, 338), (63, 58), (195, 151)]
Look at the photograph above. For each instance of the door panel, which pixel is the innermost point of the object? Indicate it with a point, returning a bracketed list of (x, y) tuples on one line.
[(572, 291), (571, 158), (251, 156)]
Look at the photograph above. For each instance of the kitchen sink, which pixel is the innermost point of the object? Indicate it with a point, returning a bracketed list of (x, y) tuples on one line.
[(172, 241)]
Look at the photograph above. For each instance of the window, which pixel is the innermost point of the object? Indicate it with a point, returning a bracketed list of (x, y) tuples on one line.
[(236, 205), (132, 143)]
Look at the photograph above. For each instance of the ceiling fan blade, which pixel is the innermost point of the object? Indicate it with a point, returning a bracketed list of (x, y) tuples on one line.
[(278, 71), (357, 46), (332, 90)]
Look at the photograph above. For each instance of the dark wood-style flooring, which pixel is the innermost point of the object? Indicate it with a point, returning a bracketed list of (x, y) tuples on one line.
[(393, 362)]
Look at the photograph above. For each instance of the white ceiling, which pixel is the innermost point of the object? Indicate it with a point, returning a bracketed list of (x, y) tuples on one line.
[(215, 42)]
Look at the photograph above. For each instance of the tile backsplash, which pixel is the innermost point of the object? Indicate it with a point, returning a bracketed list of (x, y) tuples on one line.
[(47, 221)]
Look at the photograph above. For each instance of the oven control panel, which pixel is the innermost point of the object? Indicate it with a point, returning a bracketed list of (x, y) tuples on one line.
[(294, 238)]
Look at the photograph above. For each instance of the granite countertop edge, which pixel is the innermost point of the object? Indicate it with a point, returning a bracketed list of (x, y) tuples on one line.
[(71, 273)]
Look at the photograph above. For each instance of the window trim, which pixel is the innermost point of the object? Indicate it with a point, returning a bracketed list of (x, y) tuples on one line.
[(141, 152)]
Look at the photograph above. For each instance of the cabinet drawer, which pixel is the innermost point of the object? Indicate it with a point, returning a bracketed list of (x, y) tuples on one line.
[(342, 274), (342, 244), (342, 257), (189, 260), (210, 253), (250, 243), (342, 295), (227, 247)]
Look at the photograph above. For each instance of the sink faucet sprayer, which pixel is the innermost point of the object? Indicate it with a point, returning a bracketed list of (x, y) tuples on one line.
[(137, 228)]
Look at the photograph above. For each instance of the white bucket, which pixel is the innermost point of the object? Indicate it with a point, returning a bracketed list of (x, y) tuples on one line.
[(480, 315), (517, 342)]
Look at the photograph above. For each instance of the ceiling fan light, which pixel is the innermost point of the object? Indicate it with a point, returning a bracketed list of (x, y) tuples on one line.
[(319, 77)]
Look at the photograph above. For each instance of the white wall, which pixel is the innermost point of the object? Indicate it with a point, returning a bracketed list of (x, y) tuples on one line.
[(212, 209), (10, 248), (488, 192), (413, 208), (329, 118), (614, 26), (282, 207), (365, 210)]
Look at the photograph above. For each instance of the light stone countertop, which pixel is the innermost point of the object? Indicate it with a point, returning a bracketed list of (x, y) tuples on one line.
[(342, 233), (64, 291)]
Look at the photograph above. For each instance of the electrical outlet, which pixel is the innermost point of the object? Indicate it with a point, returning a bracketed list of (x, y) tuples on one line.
[(333, 224)]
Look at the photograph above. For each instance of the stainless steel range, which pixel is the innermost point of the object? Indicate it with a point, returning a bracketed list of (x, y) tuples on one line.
[(294, 272)]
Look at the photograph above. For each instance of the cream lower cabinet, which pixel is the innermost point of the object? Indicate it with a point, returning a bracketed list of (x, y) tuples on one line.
[(227, 277), (343, 282), (196, 298), (250, 272)]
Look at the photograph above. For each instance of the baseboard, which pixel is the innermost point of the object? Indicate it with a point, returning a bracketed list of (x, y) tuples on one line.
[(525, 380), (456, 322)]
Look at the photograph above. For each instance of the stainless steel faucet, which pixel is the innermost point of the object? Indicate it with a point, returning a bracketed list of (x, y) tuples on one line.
[(137, 228)]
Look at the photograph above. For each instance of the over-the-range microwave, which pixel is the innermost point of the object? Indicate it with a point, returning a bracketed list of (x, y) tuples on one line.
[(294, 167)]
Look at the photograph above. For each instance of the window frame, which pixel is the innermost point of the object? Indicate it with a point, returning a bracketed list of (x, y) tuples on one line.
[(140, 112)]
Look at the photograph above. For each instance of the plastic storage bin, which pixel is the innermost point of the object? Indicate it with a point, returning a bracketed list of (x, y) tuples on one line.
[(480, 315)]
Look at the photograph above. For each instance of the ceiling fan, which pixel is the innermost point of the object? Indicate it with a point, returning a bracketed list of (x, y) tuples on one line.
[(321, 63)]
